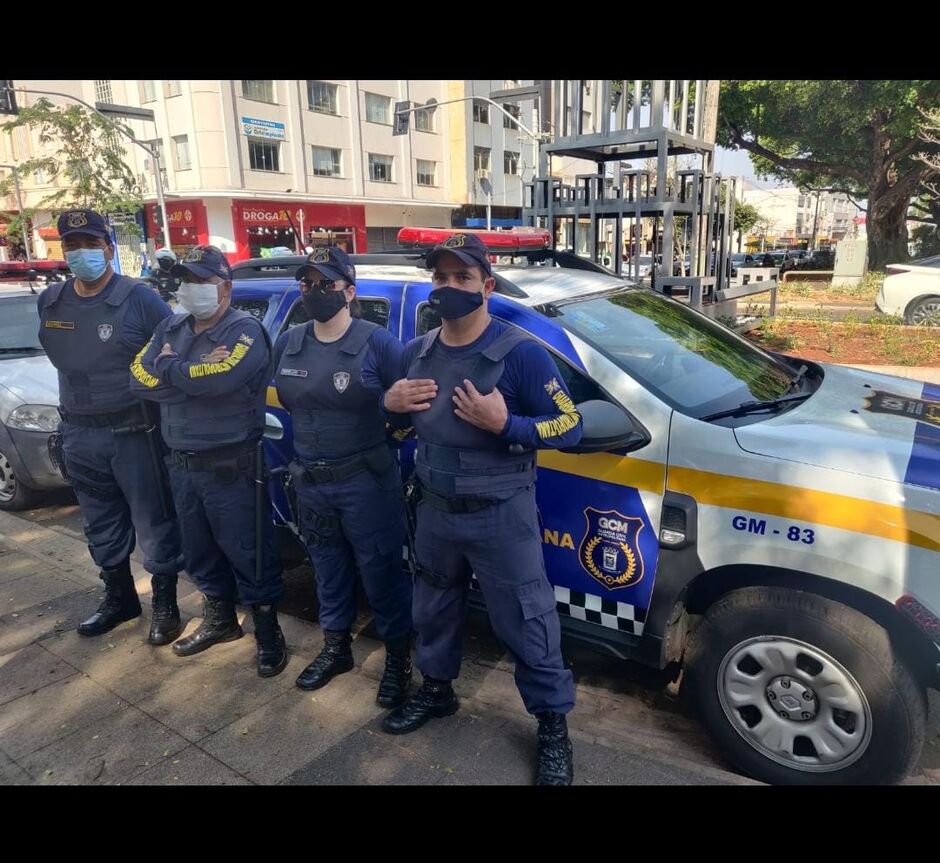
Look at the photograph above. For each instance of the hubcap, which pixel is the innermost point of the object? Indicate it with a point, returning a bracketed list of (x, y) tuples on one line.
[(7, 480), (794, 704), (926, 314)]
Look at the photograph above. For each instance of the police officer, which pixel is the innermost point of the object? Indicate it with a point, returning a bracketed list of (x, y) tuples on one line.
[(167, 283), (331, 375), (483, 397), (208, 367), (91, 326)]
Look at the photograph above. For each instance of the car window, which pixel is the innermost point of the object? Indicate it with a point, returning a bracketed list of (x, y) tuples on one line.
[(928, 262), (255, 308), (686, 359), (19, 324)]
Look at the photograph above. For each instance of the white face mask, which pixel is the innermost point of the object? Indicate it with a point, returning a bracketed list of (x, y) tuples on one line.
[(201, 301)]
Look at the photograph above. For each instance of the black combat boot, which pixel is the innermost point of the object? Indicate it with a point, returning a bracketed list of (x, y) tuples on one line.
[(219, 624), (120, 601), (335, 658), (555, 757), (165, 613), (435, 698), (394, 686), (272, 649)]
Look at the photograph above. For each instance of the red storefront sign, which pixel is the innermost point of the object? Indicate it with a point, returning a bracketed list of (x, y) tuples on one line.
[(187, 222), (249, 216)]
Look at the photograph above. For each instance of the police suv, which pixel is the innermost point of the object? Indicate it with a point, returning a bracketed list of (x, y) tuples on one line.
[(769, 526)]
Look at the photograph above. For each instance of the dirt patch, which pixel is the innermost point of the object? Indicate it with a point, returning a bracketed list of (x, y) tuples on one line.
[(852, 343)]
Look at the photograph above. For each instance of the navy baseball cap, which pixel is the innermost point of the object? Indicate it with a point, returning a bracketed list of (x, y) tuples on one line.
[(203, 261), (468, 248), (83, 222), (329, 261)]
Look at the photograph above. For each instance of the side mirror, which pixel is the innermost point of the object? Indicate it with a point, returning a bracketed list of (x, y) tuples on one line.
[(608, 427), (273, 427)]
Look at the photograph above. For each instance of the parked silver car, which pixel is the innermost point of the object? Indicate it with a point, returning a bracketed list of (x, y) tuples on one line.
[(29, 393)]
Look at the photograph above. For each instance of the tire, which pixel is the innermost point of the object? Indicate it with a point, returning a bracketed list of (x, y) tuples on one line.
[(923, 312), (760, 650), (13, 494)]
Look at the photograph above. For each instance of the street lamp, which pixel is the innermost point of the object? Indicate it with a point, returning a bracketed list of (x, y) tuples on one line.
[(19, 206), (103, 109)]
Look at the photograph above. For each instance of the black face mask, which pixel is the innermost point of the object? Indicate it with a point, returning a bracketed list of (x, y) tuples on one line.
[(322, 306), (454, 303)]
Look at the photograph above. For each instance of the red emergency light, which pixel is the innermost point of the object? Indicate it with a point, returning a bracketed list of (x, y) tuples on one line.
[(505, 242)]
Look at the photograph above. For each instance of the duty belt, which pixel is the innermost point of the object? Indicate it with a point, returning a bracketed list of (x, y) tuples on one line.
[(454, 504), (119, 418), (332, 470), (240, 457)]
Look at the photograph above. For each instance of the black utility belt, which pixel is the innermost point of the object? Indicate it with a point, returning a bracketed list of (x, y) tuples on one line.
[(237, 458), (126, 417), (453, 504), (378, 459)]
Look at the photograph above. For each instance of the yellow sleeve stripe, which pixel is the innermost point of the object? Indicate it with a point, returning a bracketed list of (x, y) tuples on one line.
[(140, 373), (561, 424), (201, 370)]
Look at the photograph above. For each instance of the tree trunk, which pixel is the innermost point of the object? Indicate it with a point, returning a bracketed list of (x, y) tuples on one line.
[(887, 233)]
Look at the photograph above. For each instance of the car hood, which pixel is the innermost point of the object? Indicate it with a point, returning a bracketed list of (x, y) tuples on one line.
[(860, 422), (33, 380)]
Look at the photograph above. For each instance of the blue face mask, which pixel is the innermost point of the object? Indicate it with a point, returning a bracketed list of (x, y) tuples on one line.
[(88, 264)]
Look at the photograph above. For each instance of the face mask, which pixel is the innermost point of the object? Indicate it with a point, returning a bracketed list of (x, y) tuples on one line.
[(453, 303), (201, 301), (88, 264), (322, 306)]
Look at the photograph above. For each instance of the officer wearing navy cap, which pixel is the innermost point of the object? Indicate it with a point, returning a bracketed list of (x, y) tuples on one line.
[(92, 326), (208, 367), (331, 375), (482, 398)]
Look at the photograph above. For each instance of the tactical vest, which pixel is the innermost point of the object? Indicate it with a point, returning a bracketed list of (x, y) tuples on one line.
[(333, 413), (453, 457), (207, 422), (87, 343)]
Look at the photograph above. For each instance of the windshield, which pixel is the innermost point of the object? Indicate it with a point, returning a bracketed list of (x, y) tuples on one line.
[(19, 323), (688, 360)]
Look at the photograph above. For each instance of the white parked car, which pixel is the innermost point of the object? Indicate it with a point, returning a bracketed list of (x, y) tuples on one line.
[(912, 291)]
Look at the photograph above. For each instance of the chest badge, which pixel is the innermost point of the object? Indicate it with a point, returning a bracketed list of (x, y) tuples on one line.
[(340, 381), (104, 331)]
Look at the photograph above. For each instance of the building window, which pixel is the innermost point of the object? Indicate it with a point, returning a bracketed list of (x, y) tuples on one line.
[(322, 97), (481, 112), (259, 91), (586, 121), (427, 173), (380, 168), (481, 161), (172, 88), (264, 155), (424, 120), (147, 91), (181, 152), (326, 162), (377, 109), (40, 176), (510, 163), (514, 110), (103, 92)]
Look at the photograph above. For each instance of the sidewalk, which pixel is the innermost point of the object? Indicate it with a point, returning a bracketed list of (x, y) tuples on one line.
[(113, 710)]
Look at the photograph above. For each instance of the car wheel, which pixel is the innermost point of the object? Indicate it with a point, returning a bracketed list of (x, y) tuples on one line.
[(801, 690), (923, 312), (13, 494)]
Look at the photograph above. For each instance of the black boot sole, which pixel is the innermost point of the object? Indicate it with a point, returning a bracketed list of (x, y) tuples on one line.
[(319, 684), (434, 713), (205, 645), (90, 632)]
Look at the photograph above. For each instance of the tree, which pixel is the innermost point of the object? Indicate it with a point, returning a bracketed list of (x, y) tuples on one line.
[(862, 138), (86, 152)]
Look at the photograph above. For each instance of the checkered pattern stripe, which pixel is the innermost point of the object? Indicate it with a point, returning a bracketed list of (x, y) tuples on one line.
[(594, 609)]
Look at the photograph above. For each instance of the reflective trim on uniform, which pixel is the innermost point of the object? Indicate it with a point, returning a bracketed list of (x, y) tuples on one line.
[(141, 375), (201, 370), (561, 424)]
